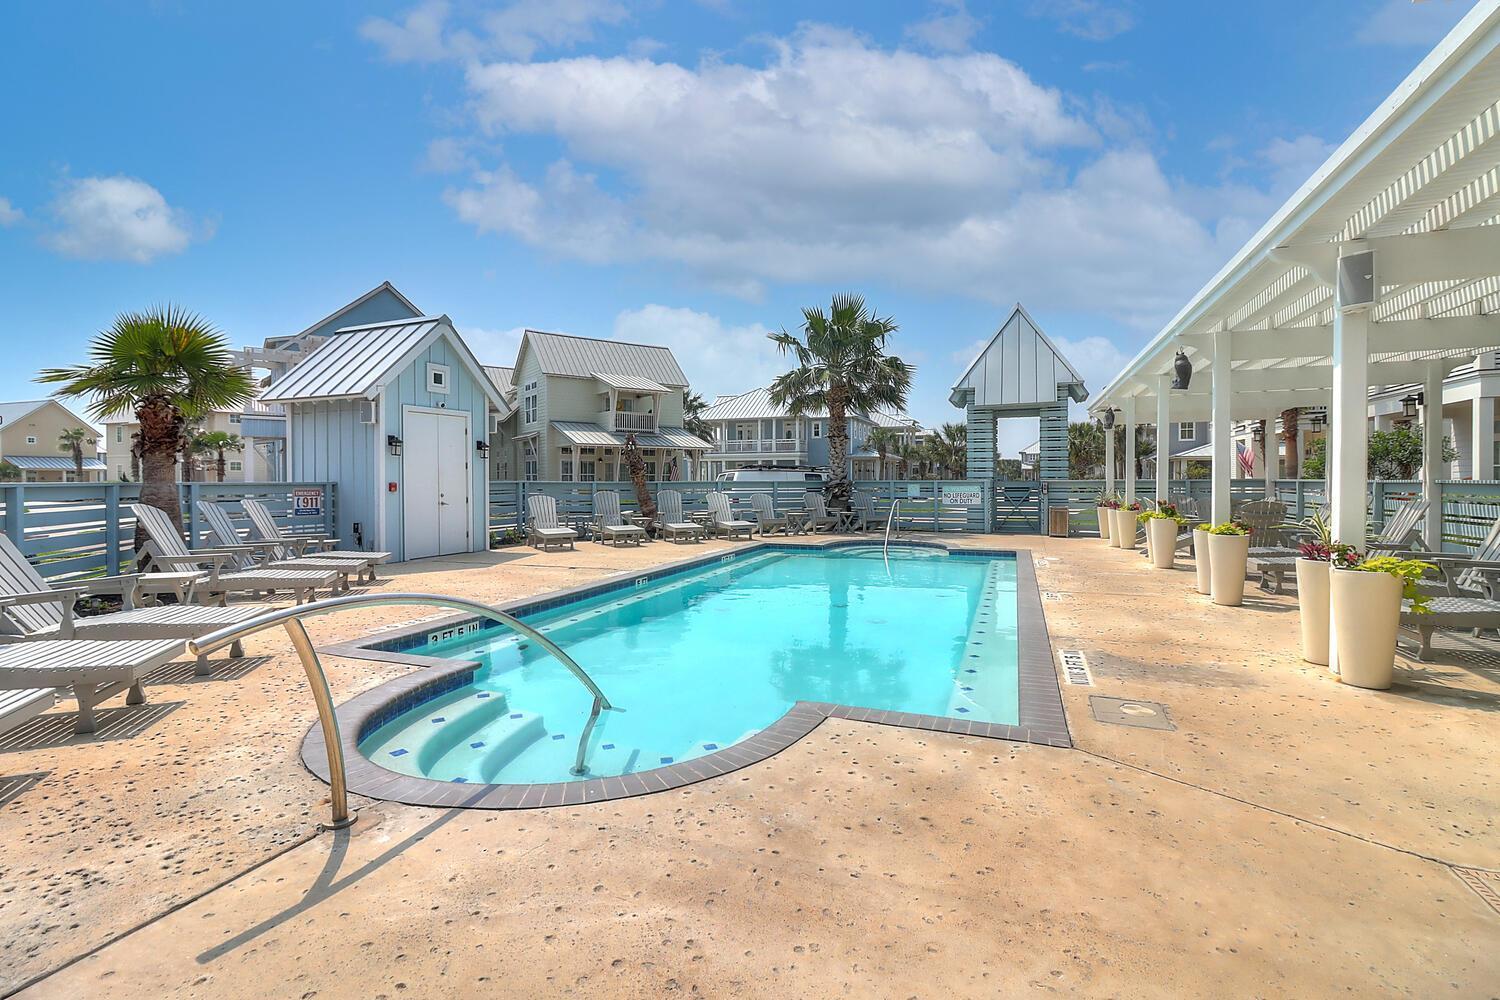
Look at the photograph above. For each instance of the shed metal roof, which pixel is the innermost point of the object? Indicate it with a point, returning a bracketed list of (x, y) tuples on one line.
[(580, 357), (630, 383), (359, 360), (756, 405), (586, 434), (503, 378)]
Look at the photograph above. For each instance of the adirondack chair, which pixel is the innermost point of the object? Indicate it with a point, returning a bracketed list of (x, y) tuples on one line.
[(865, 516), (722, 520), (818, 518), (30, 609), (763, 513), (671, 522), (95, 669), (165, 548), (262, 554), (610, 525), (266, 527), (1275, 563), (542, 527)]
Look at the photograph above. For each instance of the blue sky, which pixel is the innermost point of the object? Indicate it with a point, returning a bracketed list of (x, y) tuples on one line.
[(688, 172)]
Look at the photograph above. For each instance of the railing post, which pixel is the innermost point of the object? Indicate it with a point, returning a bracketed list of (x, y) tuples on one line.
[(15, 515), (1377, 505), (330, 511), (1301, 500), (112, 529), (192, 516)]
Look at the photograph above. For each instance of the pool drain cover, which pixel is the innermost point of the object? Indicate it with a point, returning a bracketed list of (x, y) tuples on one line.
[(1124, 712)]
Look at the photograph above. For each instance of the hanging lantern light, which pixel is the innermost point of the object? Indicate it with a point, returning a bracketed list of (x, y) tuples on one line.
[(1108, 419), (1409, 405), (1182, 370)]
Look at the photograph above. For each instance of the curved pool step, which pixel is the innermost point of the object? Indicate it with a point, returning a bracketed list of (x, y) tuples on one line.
[(462, 718), (399, 745)]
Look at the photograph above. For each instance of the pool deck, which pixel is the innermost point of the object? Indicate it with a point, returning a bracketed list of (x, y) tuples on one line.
[(1283, 836)]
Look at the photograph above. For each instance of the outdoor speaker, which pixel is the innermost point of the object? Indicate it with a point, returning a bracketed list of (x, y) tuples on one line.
[(1356, 281), (369, 411)]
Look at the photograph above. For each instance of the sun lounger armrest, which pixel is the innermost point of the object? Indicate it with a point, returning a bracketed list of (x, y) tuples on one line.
[(62, 595), (212, 558), (126, 586)]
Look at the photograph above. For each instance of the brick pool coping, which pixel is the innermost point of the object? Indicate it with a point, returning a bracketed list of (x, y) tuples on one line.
[(1040, 718)]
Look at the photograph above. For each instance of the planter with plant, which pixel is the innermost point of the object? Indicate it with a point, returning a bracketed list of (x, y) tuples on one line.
[(1162, 525), (1228, 556), (1313, 559), (1108, 503), (1124, 525), (1365, 596), (1202, 566)]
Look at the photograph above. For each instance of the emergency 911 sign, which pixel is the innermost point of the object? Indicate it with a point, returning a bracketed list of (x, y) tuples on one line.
[(307, 503)]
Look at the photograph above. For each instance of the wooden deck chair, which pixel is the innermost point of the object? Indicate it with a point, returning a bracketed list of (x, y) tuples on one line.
[(722, 520), (266, 528), (670, 520), (262, 554), (542, 527), (95, 669), (610, 525)]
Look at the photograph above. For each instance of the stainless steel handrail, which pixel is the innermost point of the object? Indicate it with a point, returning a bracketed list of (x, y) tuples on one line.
[(890, 518), (291, 618)]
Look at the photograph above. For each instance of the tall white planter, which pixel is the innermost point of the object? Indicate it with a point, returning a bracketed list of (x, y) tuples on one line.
[(1312, 607), (1104, 519), (1202, 561), (1115, 538), (1366, 615), (1125, 527), (1161, 535), (1227, 557)]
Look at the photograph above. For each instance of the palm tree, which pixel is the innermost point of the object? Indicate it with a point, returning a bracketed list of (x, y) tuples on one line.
[(216, 443), (949, 450), (1085, 449), (841, 366), (884, 440), (167, 366), (71, 441), (10, 472), (1289, 420), (637, 466), (693, 405)]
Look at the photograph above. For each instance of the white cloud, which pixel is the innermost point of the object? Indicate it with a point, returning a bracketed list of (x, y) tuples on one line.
[(949, 28), (1401, 22), (1094, 20), (449, 155), (117, 218), (493, 347), (716, 358), (417, 37), (9, 214)]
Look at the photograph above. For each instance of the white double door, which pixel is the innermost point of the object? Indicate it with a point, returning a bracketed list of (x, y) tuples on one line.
[(438, 483)]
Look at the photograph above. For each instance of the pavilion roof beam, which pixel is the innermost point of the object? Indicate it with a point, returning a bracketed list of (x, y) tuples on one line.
[(1391, 335), (1287, 289), (1314, 376), (1402, 260), (1469, 204)]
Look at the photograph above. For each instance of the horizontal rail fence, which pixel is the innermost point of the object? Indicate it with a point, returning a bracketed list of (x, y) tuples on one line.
[(926, 505), (78, 530)]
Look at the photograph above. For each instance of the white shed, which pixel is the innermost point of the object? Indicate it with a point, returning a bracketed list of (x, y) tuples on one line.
[(397, 415)]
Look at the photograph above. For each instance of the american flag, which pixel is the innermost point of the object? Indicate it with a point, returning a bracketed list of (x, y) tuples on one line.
[(1246, 457)]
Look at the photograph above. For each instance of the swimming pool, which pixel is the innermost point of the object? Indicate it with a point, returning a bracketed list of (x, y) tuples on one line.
[(697, 661)]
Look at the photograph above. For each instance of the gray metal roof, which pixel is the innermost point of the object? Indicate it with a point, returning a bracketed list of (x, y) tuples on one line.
[(630, 383), (581, 357), (51, 463), (11, 412), (384, 286), (582, 432), (756, 405), (357, 362), (503, 378)]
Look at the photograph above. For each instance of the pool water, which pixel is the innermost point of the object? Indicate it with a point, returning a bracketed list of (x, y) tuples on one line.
[(697, 661)]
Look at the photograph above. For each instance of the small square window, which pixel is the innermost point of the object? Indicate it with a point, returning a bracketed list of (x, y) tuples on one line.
[(1187, 432), (31, 439), (437, 378), (234, 418), (236, 466)]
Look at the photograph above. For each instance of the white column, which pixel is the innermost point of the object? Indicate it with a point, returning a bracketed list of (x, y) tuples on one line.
[(1163, 438), (1109, 460), (1432, 453), (1348, 445), (1129, 450), (1220, 426), (1270, 449), (1482, 435)]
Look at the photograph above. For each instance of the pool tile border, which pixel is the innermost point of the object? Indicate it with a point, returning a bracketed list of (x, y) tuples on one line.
[(1041, 719)]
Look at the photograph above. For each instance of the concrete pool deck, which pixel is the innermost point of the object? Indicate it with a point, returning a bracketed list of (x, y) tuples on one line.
[(1289, 836)]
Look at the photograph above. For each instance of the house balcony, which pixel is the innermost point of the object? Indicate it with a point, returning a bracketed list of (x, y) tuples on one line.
[(623, 421), (760, 446)]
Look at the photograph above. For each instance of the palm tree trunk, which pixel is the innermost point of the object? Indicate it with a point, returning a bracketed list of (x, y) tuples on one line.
[(637, 466), (78, 459), (839, 488), (161, 433), (220, 465), (1289, 419)]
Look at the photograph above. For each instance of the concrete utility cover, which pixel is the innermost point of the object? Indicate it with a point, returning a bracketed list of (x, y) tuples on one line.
[(1124, 712)]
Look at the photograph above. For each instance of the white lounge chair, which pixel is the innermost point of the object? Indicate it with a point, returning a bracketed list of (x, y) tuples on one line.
[(166, 549), (671, 522), (610, 525), (763, 512), (95, 669), (818, 518), (542, 527), (31, 609), (262, 554), (21, 706), (722, 520), (865, 517), (266, 527)]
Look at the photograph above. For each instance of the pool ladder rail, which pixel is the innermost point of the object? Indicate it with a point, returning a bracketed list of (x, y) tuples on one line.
[(291, 618), (890, 519)]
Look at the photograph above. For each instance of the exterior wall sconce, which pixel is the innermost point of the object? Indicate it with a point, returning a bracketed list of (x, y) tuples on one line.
[(1317, 420), (393, 443), (1258, 432), (1182, 370), (483, 447), (1409, 405)]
